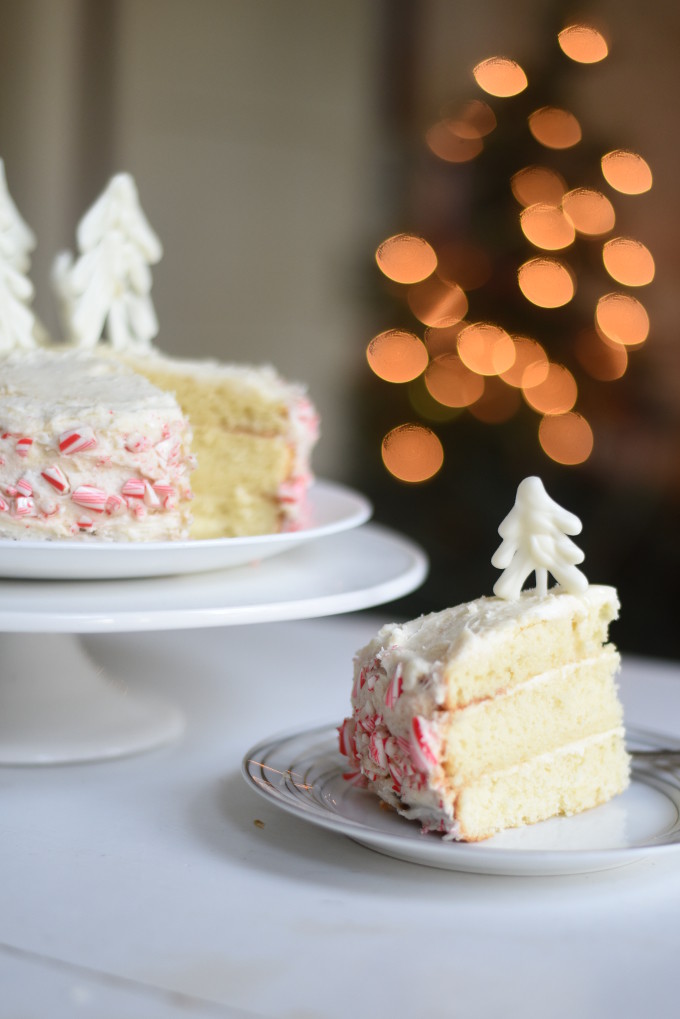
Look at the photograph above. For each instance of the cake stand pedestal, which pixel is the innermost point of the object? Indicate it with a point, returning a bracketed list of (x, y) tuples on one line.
[(58, 707)]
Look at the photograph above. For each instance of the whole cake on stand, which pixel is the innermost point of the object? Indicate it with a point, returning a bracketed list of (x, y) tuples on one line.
[(105, 440), (117, 441)]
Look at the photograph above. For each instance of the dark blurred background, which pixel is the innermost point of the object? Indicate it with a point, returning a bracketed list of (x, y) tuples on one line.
[(276, 145)]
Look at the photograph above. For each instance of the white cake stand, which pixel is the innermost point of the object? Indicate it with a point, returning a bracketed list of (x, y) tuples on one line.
[(57, 706)]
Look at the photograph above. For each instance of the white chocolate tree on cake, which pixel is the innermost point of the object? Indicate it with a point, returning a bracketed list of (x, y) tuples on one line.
[(535, 539), (17, 321), (107, 289)]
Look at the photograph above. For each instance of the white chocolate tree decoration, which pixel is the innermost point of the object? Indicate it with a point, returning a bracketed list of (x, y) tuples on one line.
[(106, 290), (535, 539), (17, 321)]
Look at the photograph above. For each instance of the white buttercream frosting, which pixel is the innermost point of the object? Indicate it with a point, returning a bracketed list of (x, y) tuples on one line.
[(88, 447)]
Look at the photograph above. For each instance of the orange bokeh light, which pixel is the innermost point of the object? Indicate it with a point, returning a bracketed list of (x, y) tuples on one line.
[(626, 172), (556, 394), (546, 282), (451, 383), (486, 348), (622, 318), (435, 302), (474, 119), (498, 403), (412, 453), (500, 76), (590, 211), (451, 147), (397, 356), (583, 43), (547, 227), (406, 258), (538, 184), (603, 360), (531, 364), (628, 261), (566, 438), (555, 128)]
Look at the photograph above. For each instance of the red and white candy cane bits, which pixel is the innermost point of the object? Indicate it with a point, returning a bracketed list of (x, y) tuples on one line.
[(56, 477), (24, 506), (75, 440), (23, 445), (93, 498), (134, 488)]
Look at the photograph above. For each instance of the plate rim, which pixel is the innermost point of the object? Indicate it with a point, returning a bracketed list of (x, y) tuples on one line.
[(334, 508), (362, 513), (505, 860)]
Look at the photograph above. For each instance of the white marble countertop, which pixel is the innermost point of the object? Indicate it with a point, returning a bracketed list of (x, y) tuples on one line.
[(161, 885)]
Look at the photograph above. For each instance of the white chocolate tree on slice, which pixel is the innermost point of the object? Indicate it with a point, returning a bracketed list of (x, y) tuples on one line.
[(107, 289), (535, 539), (17, 321)]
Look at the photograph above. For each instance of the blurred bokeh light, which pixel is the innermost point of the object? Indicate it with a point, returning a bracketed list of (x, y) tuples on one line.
[(626, 172), (546, 282), (397, 356), (555, 128), (500, 76), (628, 261), (583, 43), (486, 348), (452, 383), (406, 258), (412, 453), (556, 394), (622, 318), (566, 438)]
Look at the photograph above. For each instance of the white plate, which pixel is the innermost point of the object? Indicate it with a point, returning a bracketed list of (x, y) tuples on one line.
[(302, 773), (366, 566), (332, 508)]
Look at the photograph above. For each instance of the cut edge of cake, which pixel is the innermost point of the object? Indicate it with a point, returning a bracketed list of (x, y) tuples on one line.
[(253, 436)]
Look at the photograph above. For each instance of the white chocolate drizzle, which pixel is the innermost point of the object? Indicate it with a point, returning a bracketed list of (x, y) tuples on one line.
[(17, 321), (535, 539), (107, 289)]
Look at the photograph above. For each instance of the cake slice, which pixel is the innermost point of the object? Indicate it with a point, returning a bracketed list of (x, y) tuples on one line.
[(493, 714)]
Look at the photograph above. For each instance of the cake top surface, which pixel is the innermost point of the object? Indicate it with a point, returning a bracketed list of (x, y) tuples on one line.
[(263, 378), (456, 632), (39, 384)]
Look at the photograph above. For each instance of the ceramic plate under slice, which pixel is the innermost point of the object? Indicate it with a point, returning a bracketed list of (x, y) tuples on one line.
[(331, 508), (302, 773)]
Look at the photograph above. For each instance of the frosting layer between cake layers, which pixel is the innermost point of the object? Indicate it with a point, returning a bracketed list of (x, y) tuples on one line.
[(491, 714), (90, 448)]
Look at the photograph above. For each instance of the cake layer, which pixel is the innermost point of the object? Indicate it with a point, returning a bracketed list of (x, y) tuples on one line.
[(253, 434), (574, 778), (558, 707), (241, 497), (485, 646), (88, 448)]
